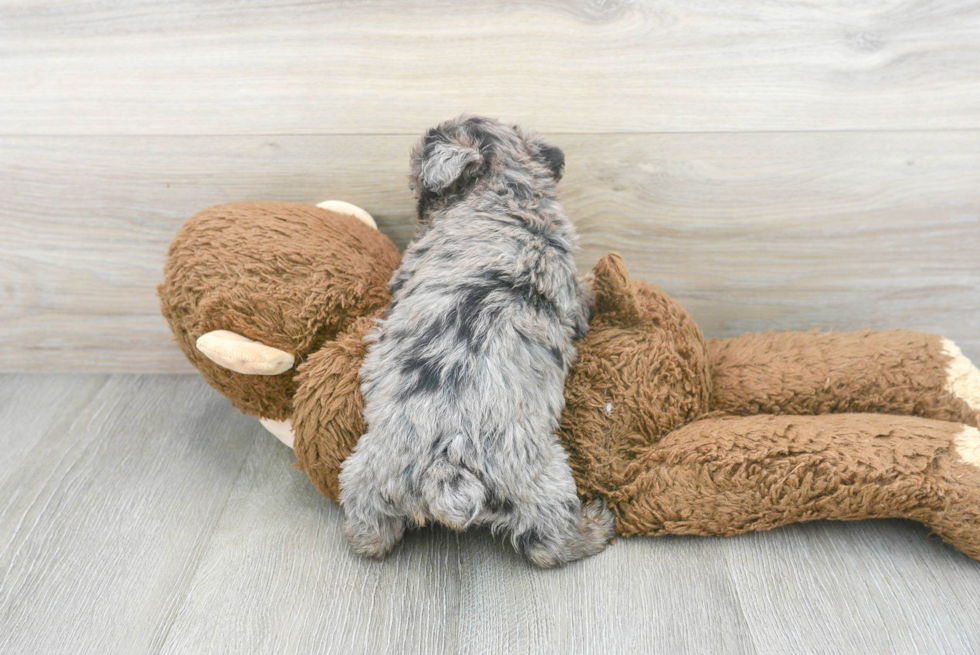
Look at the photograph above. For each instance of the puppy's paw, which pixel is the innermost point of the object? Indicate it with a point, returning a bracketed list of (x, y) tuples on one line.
[(589, 535), (597, 526), (374, 540)]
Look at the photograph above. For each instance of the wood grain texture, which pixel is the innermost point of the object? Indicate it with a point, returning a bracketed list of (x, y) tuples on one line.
[(31, 404), (640, 595), (749, 231), (279, 577), (103, 521), (149, 516), (394, 67), (893, 589)]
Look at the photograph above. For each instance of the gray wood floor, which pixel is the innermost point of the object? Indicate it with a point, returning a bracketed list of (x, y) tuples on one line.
[(143, 514)]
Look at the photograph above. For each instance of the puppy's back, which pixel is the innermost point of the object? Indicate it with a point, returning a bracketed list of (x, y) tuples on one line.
[(464, 384)]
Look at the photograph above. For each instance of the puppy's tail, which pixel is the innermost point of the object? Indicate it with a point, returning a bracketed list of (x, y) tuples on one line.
[(453, 493)]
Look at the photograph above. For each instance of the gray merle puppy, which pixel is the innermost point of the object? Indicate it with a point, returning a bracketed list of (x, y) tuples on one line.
[(464, 380)]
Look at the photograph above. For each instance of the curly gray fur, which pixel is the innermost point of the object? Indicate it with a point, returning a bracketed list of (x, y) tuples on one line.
[(464, 380)]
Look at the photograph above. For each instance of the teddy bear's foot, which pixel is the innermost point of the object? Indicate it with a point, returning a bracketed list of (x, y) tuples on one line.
[(281, 430), (962, 377), (957, 521)]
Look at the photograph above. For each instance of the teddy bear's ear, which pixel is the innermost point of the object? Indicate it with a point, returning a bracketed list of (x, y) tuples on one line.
[(243, 355), (346, 208), (615, 297)]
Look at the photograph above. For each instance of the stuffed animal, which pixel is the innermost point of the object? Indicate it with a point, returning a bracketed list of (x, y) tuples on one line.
[(272, 301)]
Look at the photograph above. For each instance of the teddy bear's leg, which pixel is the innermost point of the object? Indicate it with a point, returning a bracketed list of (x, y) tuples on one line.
[(328, 407), (281, 430), (730, 475), (891, 372)]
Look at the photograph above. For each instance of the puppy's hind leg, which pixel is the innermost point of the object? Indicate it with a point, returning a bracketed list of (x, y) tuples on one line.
[(558, 538), (555, 528), (373, 534), (370, 527)]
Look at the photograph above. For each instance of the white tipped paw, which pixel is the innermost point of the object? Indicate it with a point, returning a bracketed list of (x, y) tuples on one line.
[(962, 377), (967, 444), (374, 540)]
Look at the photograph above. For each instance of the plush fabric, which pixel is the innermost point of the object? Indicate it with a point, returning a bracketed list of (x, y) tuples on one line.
[(329, 408), (680, 435), (258, 269), (728, 475), (891, 372)]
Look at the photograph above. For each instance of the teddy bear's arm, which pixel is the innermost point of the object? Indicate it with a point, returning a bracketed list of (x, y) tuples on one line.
[(891, 372), (729, 475), (328, 408)]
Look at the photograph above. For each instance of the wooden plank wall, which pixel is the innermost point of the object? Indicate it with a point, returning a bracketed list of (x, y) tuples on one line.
[(791, 165)]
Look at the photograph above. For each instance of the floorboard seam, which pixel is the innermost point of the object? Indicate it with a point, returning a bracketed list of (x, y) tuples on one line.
[(738, 602), (206, 544)]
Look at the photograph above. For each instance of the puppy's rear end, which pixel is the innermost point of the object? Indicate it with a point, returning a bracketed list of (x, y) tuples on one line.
[(464, 384)]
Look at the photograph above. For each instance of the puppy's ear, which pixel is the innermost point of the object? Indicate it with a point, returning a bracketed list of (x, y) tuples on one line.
[(551, 156), (554, 159), (441, 159)]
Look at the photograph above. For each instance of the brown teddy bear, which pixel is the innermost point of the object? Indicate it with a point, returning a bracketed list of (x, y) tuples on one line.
[(271, 302)]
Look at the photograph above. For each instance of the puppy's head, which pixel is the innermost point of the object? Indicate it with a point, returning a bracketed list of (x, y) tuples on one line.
[(455, 156)]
